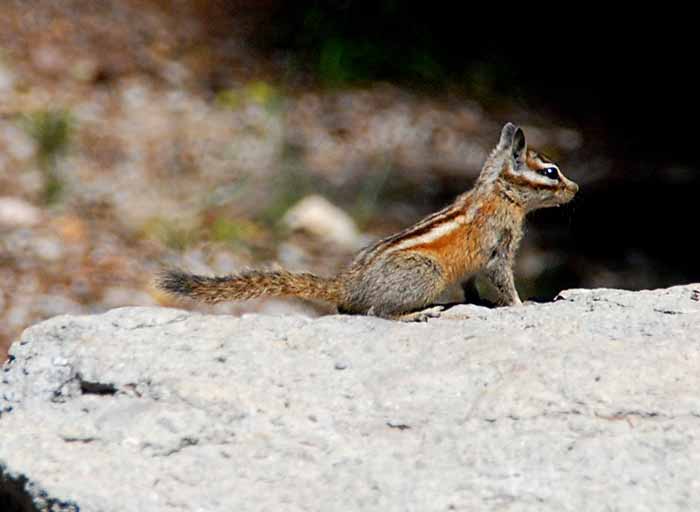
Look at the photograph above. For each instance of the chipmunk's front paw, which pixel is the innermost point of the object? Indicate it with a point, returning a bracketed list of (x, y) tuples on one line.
[(422, 316)]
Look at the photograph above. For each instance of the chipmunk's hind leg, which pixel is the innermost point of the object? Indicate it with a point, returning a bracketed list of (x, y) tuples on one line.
[(392, 287)]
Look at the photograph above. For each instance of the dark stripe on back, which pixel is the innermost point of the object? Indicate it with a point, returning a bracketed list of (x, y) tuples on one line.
[(421, 227)]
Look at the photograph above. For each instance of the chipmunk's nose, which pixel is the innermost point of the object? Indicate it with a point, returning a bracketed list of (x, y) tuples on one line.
[(571, 186)]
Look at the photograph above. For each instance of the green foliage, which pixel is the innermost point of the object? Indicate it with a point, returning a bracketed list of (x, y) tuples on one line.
[(368, 203), (258, 92), (342, 60), (420, 45), (292, 184), (345, 60), (350, 42), (52, 131), (172, 234), (181, 234), (233, 231)]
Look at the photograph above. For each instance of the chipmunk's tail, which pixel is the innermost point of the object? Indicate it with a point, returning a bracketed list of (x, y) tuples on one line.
[(250, 284)]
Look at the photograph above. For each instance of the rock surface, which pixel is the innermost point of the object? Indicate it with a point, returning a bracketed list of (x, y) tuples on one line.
[(588, 403)]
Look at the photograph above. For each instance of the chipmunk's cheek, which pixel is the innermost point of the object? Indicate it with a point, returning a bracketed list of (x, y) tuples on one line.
[(563, 197)]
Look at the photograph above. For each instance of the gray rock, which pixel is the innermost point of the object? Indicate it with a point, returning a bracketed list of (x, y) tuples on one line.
[(591, 402), (16, 212)]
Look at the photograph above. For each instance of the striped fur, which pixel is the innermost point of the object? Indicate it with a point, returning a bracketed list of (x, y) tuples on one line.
[(478, 234), (440, 222)]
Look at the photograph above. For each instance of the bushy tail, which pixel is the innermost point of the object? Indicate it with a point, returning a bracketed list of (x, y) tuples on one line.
[(250, 284)]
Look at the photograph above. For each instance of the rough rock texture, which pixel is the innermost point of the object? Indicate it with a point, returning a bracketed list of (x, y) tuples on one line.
[(588, 403)]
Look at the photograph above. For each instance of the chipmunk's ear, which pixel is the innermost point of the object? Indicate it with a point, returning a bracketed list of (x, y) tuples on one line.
[(519, 146), (513, 140), (507, 135)]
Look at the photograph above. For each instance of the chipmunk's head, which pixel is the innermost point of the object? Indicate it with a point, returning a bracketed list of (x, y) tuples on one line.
[(526, 176)]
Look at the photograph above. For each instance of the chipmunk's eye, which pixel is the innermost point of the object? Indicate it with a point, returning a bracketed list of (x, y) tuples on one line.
[(549, 172)]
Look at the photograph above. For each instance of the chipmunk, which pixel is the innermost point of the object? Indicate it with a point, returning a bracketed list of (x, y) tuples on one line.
[(478, 234)]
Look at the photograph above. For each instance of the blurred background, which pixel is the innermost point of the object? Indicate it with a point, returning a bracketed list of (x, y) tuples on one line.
[(217, 135)]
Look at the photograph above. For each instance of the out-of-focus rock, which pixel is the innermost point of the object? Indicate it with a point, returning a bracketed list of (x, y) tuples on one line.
[(16, 142), (48, 248), (320, 218), (49, 59), (18, 213), (7, 79)]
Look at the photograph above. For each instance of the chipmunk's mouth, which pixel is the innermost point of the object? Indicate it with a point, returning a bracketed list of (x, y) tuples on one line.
[(568, 192), (571, 187), (566, 196)]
